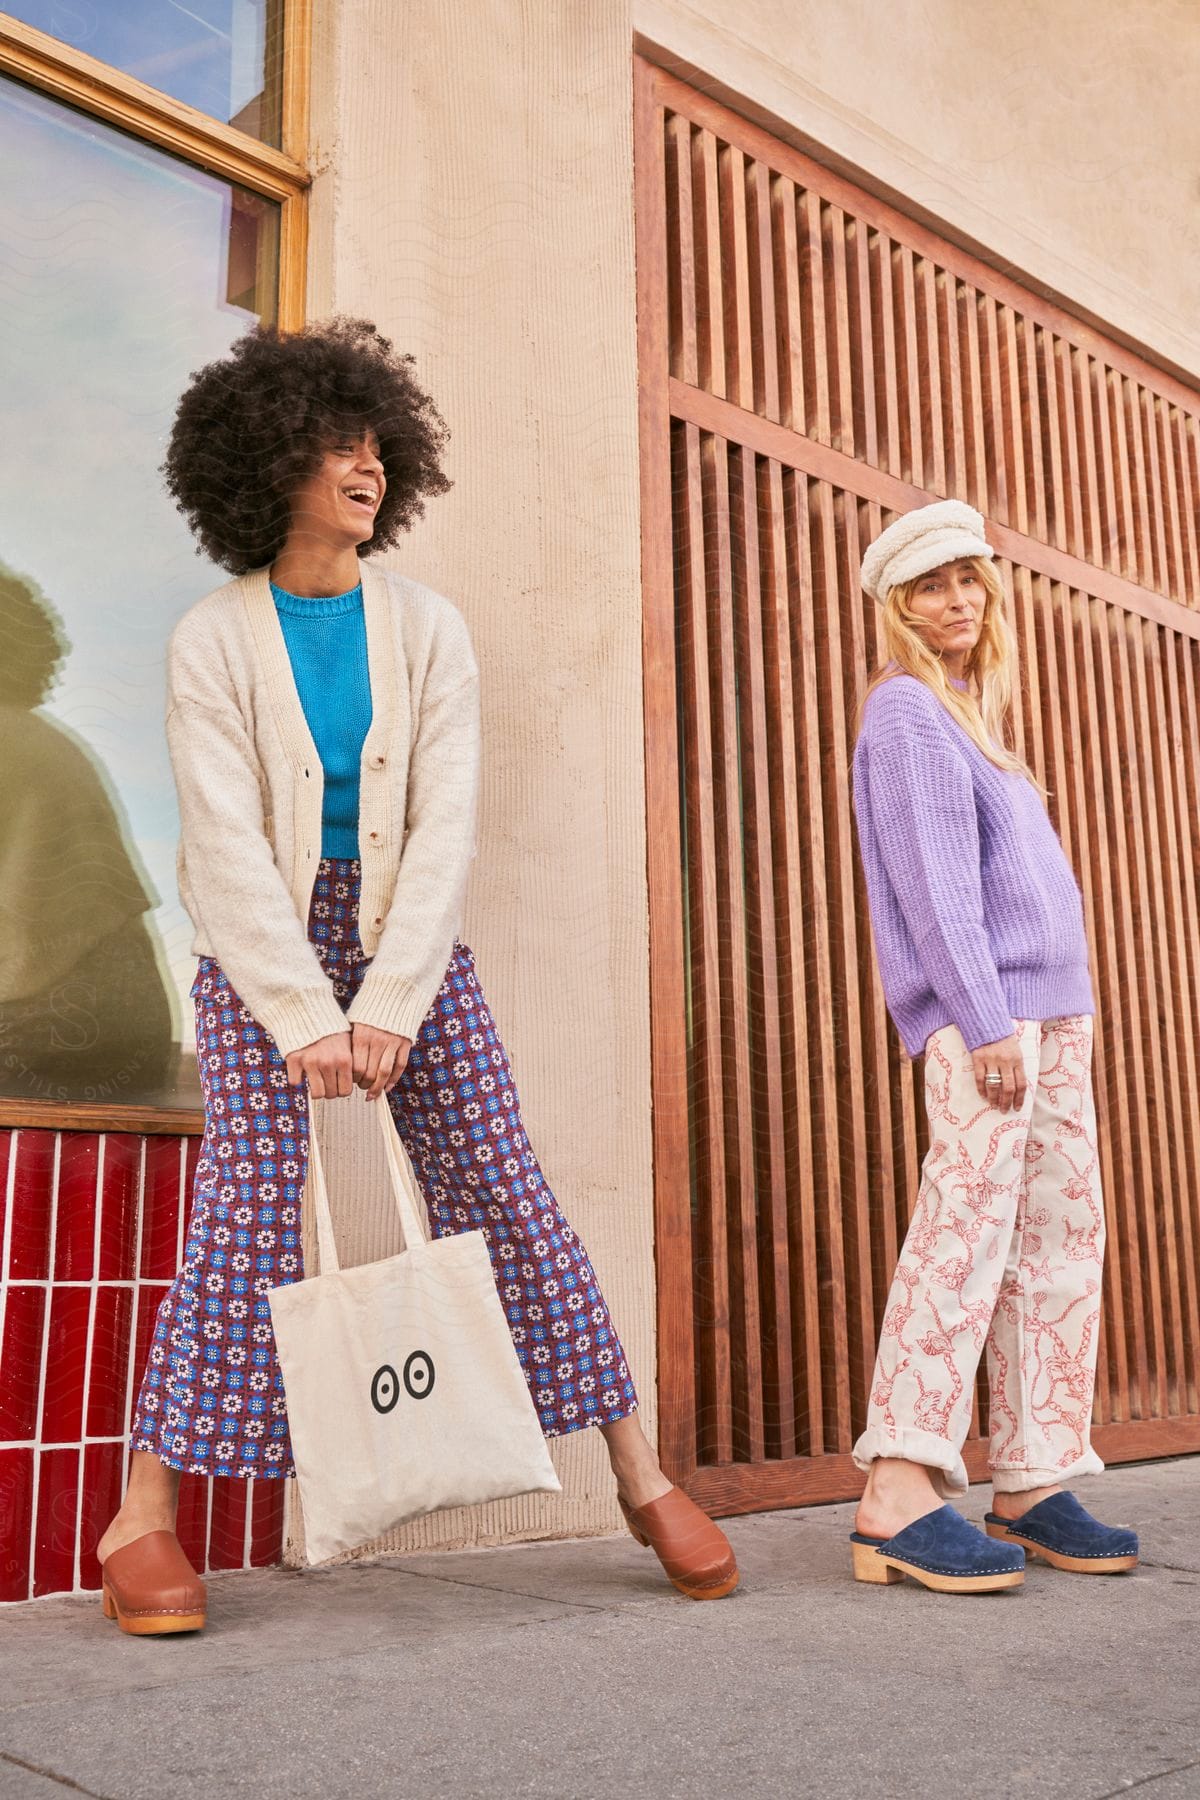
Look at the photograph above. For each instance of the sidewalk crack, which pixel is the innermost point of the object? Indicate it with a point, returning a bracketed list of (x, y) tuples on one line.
[(65, 1781), (492, 1587), (1127, 1787)]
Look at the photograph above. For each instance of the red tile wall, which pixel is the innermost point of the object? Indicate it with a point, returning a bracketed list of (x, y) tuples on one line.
[(91, 1234)]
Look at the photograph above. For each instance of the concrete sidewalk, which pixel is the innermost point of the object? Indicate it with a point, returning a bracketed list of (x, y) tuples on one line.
[(572, 1670)]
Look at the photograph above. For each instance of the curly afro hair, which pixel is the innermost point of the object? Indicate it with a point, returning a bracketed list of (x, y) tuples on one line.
[(252, 426)]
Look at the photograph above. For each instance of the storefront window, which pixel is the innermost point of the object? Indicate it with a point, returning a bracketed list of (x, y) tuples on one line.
[(223, 57), (125, 270)]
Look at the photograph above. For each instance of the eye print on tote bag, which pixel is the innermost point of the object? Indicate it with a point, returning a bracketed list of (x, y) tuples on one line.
[(418, 1378)]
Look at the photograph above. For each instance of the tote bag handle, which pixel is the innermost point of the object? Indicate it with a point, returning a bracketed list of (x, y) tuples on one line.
[(398, 1174)]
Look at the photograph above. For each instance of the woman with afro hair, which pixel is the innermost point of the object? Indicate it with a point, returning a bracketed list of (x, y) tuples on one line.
[(323, 725)]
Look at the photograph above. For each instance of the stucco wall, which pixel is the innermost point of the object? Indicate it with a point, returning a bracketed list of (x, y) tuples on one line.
[(1061, 138), (473, 197)]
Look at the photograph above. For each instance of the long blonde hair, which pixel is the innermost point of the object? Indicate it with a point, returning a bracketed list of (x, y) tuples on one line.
[(984, 710)]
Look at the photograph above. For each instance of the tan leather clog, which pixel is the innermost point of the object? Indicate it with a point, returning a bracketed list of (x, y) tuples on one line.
[(151, 1589), (695, 1553)]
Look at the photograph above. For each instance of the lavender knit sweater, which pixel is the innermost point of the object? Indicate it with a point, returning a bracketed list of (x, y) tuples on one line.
[(976, 913)]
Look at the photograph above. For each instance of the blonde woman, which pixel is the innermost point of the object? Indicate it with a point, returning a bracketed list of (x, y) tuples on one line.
[(979, 934)]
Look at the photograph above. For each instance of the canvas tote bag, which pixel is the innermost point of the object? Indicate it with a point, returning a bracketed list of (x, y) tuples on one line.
[(404, 1392)]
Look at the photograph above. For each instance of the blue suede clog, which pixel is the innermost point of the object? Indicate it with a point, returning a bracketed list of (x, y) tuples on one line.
[(942, 1550), (1064, 1534)]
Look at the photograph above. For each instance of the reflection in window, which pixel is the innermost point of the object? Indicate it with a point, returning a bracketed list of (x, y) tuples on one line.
[(224, 57), (123, 271)]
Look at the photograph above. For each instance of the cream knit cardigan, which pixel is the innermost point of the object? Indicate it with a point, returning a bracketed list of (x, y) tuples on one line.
[(250, 788)]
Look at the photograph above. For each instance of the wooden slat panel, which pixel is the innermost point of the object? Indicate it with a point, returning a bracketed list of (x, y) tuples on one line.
[(821, 363), (767, 1234), (933, 424), (1179, 1046), (1182, 439), (843, 472), (1162, 483), (998, 502), (1162, 1238), (668, 1019), (680, 260), (1119, 453), (1147, 508), (1062, 616), (1122, 1028), (704, 952), (957, 478), (706, 254), (908, 366), (1185, 744), (735, 264), (792, 938), (862, 343), (1012, 414), (1057, 498), (733, 1208), (761, 251), (1033, 436), (1140, 999), (841, 1072), (735, 1489), (973, 400), (1114, 549), (876, 216), (788, 324), (884, 331), (837, 313), (821, 1096), (813, 328)]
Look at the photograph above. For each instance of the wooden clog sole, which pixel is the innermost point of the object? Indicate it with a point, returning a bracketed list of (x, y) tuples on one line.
[(163, 1624), (707, 1593), (1058, 1559), (871, 1565)]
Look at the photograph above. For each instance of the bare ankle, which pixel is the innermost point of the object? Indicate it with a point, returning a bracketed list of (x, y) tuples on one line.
[(150, 1503), (1012, 1505), (897, 1492)]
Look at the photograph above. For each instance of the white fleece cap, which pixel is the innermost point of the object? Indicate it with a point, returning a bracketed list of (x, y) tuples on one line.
[(921, 540)]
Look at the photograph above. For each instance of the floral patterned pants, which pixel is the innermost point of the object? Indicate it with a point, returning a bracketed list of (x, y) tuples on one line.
[(212, 1400), (1005, 1249)]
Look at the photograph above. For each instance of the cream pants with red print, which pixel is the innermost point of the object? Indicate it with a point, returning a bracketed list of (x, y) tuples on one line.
[(1005, 1250)]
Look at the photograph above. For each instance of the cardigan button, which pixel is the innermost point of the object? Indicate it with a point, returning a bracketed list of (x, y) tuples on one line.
[(379, 921)]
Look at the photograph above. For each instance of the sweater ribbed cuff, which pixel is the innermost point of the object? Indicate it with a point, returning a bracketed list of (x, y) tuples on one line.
[(981, 1026), (390, 1003), (303, 1017)]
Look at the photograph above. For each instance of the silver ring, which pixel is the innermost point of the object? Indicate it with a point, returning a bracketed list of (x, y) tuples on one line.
[(993, 1080)]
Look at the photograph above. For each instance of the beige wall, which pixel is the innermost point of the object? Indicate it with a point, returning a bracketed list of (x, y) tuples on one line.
[(472, 196), (1061, 135)]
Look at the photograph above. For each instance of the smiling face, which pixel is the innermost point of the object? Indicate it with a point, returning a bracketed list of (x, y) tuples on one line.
[(950, 602), (336, 505)]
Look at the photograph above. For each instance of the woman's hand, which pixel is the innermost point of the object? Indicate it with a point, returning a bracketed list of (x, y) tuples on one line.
[(1002, 1058), (325, 1064), (379, 1058)]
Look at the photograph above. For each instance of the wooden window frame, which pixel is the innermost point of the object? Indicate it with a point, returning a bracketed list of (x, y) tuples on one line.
[(41, 62)]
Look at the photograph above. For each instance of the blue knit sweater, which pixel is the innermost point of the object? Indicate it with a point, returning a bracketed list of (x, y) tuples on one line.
[(976, 913), (326, 641)]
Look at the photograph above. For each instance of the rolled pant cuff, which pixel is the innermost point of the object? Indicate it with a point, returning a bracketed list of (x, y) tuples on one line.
[(937, 1454), (1020, 1481)]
